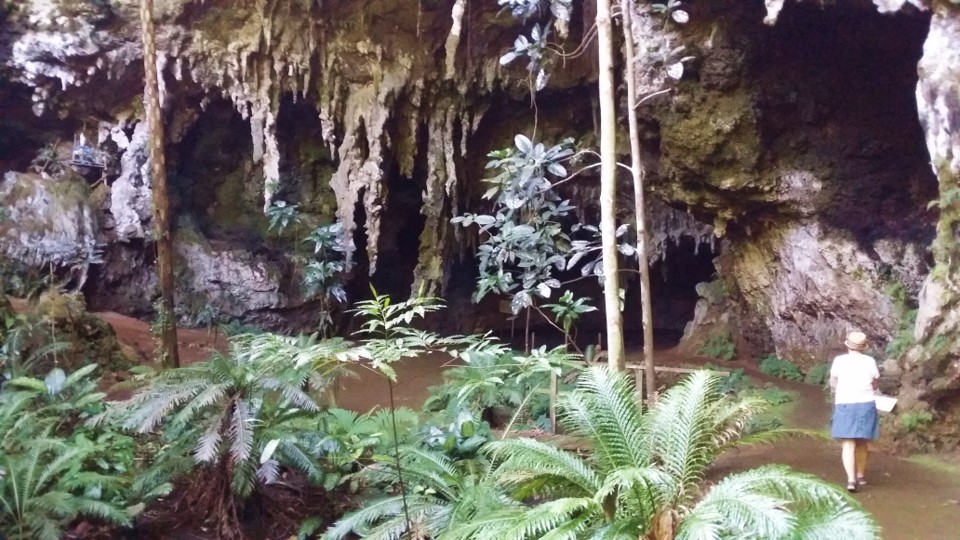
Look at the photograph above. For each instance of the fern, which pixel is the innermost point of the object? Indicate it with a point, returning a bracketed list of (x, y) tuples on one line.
[(46, 485), (232, 408), (645, 466)]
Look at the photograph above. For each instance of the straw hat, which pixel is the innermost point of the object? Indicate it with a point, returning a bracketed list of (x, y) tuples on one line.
[(856, 341)]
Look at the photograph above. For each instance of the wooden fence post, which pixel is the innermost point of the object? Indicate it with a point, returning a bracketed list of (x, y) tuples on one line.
[(553, 402)]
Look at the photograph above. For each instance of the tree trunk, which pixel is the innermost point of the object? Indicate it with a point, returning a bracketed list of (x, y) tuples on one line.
[(608, 188), (640, 205), (158, 175)]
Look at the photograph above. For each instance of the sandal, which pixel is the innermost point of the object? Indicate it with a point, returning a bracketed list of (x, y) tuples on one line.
[(861, 481), (852, 487)]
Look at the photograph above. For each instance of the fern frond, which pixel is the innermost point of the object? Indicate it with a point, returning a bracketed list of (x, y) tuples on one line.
[(604, 408), (208, 445), (291, 393), (525, 523), (766, 502), (241, 431), (680, 430), (648, 488), (523, 460)]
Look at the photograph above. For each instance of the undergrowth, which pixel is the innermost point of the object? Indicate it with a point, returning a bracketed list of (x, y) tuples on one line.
[(719, 346), (775, 366)]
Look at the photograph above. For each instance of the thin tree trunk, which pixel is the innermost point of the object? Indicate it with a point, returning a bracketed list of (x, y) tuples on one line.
[(608, 188), (158, 175), (639, 203)]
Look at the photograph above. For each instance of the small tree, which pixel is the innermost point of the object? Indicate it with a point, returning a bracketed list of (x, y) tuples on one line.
[(158, 176), (608, 187)]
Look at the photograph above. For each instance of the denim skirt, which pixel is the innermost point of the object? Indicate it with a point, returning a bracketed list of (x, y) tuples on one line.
[(855, 421)]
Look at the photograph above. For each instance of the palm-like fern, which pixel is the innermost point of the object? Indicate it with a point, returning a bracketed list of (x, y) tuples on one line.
[(645, 476), (244, 411)]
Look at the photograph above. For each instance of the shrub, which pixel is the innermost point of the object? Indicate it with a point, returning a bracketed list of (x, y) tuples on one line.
[(719, 346), (818, 375), (777, 367), (54, 466), (775, 396), (735, 383), (915, 420), (903, 339)]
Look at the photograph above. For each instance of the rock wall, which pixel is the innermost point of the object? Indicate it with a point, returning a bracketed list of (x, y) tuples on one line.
[(800, 143), (932, 372)]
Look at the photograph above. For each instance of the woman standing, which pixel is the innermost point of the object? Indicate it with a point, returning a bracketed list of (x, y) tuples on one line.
[(853, 378)]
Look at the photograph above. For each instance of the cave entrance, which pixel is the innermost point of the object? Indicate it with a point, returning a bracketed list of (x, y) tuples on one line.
[(401, 225), (687, 261), (673, 284), (213, 173)]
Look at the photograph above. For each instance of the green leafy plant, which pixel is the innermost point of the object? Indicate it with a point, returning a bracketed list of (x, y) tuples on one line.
[(736, 382), (818, 375), (567, 311), (524, 241), (388, 335), (509, 382), (344, 439), (25, 345), (244, 414), (444, 485), (46, 162), (282, 216), (719, 346), (903, 339), (46, 485), (55, 468), (915, 421), (644, 477), (775, 396), (777, 367)]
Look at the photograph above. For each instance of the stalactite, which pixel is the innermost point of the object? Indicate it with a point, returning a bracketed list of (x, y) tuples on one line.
[(453, 38)]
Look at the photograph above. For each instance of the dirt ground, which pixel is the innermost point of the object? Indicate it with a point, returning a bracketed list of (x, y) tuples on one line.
[(912, 499)]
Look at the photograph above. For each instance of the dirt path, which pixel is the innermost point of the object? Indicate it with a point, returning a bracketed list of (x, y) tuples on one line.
[(911, 501)]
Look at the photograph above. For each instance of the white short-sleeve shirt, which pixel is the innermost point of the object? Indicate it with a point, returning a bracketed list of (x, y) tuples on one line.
[(855, 373)]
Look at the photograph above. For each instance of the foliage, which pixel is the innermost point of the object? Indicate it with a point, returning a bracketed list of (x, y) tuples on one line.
[(26, 345), (904, 338), (777, 367), (325, 265), (246, 410), (818, 375), (388, 336), (507, 380), (46, 485), (525, 242), (915, 420), (282, 216), (20, 280), (719, 346), (568, 310), (55, 468), (443, 484), (344, 438), (323, 274), (644, 478), (46, 162), (775, 396)]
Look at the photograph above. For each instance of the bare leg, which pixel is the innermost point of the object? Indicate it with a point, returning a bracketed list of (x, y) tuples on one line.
[(849, 459), (861, 457)]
